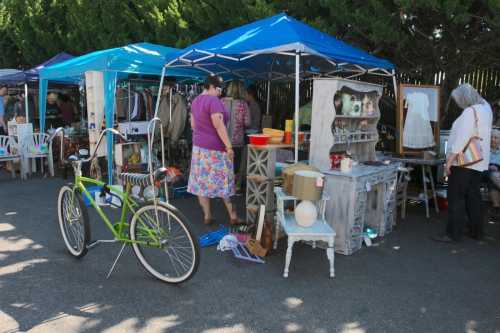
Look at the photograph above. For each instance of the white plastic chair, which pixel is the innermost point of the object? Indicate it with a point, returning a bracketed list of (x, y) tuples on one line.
[(37, 145), (10, 152)]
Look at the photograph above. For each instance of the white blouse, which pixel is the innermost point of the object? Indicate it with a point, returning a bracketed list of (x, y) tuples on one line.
[(463, 129)]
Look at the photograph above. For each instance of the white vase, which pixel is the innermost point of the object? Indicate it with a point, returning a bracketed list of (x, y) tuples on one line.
[(306, 214)]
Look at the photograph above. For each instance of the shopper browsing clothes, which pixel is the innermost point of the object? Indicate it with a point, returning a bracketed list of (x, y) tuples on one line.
[(239, 120), (464, 197), (211, 174), (254, 109)]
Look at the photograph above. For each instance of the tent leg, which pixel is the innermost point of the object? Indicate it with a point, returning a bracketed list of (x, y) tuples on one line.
[(395, 86), (26, 102), (158, 100), (170, 90), (268, 98), (297, 100)]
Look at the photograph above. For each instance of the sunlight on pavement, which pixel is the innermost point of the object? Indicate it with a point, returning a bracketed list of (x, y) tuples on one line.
[(9, 324), (66, 323), (293, 327), (155, 324), (22, 305), (20, 266), (471, 326), (6, 227), (94, 308), (293, 302), (353, 327), (10, 245), (127, 325), (239, 328), (160, 324)]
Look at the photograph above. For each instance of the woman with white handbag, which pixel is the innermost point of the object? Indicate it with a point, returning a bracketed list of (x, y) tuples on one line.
[(467, 157)]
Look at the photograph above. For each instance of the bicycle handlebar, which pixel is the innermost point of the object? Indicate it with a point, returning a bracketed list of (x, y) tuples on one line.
[(61, 130), (112, 130)]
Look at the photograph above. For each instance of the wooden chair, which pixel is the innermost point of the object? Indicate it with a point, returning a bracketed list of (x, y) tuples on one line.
[(37, 146), (10, 152)]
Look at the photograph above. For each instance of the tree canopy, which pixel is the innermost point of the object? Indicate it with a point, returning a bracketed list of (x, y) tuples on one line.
[(419, 37)]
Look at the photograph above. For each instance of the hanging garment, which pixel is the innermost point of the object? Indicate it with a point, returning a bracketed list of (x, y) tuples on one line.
[(122, 103), (148, 107), (173, 128), (138, 107), (417, 132), (148, 100), (135, 107)]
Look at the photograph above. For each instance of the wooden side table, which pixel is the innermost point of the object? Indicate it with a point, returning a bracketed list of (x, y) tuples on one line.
[(426, 177), (319, 231)]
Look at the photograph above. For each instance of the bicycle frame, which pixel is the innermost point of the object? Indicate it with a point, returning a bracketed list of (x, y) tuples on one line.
[(128, 205), (118, 229)]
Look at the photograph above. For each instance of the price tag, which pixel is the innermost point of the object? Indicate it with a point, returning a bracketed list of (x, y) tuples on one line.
[(319, 182)]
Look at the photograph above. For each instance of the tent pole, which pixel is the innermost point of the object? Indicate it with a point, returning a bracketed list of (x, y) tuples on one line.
[(395, 85), (297, 100), (159, 93), (26, 102), (160, 88), (170, 91), (170, 104), (268, 98)]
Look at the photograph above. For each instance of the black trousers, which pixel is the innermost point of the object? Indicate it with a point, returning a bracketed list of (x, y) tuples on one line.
[(464, 203)]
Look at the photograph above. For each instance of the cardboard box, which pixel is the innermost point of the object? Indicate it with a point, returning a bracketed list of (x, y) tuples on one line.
[(288, 175)]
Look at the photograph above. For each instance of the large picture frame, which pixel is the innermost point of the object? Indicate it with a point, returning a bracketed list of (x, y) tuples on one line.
[(417, 118)]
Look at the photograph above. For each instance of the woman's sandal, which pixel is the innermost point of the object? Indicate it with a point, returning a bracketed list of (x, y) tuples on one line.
[(208, 221), (236, 221), (241, 228)]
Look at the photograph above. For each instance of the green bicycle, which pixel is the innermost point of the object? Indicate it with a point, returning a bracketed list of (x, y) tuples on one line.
[(160, 237)]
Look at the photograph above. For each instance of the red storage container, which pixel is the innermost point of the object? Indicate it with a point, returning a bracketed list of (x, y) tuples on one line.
[(259, 139)]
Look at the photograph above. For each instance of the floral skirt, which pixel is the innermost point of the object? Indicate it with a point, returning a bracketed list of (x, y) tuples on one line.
[(212, 174)]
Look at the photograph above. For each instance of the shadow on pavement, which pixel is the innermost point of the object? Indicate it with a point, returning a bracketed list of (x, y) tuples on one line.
[(404, 283)]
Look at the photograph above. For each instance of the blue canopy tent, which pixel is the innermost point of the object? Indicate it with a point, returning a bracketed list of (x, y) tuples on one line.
[(31, 75), (140, 58), (278, 48), (8, 71)]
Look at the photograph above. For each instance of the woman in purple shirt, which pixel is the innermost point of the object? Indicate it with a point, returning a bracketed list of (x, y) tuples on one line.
[(211, 174)]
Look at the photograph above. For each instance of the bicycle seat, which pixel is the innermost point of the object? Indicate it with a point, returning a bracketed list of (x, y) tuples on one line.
[(141, 179)]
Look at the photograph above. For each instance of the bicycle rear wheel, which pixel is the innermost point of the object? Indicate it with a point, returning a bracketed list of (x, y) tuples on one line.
[(165, 246), (73, 221)]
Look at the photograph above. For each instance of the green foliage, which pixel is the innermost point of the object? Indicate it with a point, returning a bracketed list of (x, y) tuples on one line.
[(420, 37)]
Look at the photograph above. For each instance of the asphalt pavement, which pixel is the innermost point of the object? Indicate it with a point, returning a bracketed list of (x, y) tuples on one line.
[(405, 283)]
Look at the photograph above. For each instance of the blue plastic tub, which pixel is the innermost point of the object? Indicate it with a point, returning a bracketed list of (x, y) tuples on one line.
[(92, 191)]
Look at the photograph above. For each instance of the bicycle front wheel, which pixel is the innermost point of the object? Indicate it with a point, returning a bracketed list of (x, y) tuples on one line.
[(73, 221), (164, 243)]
